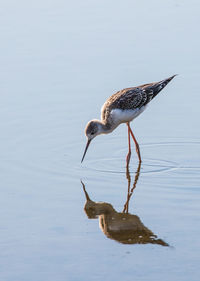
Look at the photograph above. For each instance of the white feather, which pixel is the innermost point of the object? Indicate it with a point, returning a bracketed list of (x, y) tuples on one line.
[(122, 116)]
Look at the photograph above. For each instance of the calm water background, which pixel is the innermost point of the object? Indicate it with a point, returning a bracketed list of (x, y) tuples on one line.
[(59, 61)]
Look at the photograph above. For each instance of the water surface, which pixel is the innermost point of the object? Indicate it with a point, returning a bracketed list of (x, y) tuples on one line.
[(60, 60)]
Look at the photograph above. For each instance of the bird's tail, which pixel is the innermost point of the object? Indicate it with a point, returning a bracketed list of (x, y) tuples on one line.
[(164, 82), (157, 87)]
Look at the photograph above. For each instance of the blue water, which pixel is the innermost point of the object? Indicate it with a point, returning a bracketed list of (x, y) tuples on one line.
[(59, 61)]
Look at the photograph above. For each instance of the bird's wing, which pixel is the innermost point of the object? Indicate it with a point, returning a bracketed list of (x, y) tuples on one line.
[(130, 98), (133, 98), (136, 97)]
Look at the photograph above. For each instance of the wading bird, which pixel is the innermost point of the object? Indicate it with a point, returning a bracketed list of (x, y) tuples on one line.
[(123, 107)]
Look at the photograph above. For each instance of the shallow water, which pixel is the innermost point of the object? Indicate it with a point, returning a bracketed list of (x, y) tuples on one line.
[(59, 62)]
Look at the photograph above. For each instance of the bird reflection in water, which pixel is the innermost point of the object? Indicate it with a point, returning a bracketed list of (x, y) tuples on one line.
[(122, 226)]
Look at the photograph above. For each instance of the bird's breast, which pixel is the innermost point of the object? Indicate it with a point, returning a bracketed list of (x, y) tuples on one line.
[(122, 116)]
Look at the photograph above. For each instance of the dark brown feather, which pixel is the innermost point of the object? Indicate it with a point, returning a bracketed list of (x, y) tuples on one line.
[(132, 98)]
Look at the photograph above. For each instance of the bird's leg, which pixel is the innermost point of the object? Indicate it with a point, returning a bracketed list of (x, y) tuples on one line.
[(136, 143), (129, 149), (128, 176), (130, 191)]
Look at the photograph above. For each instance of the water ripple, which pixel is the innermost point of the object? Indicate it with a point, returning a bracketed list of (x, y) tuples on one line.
[(175, 157)]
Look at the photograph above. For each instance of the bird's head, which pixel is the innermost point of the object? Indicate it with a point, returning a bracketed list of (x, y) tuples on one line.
[(92, 129)]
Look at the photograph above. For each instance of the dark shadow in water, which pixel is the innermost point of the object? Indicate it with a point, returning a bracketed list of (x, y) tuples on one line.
[(122, 226)]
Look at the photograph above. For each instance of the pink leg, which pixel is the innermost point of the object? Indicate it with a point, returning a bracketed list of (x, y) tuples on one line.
[(136, 143), (129, 149), (130, 191)]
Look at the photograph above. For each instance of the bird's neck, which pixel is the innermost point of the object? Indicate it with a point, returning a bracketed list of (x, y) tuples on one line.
[(105, 128)]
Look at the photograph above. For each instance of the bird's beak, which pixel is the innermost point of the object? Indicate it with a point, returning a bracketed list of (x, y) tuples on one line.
[(86, 148)]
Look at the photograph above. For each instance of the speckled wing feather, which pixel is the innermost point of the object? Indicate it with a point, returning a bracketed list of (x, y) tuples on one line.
[(132, 98)]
